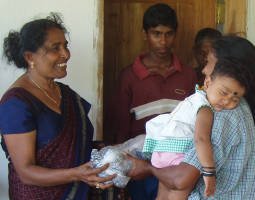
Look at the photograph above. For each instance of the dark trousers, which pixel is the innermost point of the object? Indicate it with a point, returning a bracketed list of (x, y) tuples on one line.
[(145, 189)]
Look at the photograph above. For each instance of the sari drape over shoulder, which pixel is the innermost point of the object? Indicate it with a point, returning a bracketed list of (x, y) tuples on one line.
[(71, 147)]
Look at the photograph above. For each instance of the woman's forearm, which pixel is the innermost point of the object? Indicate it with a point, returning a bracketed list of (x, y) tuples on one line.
[(40, 176), (178, 177)]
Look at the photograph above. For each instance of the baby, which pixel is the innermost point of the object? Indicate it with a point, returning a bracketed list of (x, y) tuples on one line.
[(168, 136)]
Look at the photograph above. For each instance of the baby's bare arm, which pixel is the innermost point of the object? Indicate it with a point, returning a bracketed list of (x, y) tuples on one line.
[(204, 150), (202, 137)]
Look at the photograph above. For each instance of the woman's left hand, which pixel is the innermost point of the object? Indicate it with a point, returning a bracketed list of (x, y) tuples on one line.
[(90, 176)]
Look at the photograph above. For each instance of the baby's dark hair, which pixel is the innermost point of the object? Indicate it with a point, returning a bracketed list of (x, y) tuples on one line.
[(160, 14), (30, 38), (234, 69)]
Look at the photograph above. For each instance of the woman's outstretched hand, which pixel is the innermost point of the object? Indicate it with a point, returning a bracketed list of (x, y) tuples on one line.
[(89, 175), (140, 168)]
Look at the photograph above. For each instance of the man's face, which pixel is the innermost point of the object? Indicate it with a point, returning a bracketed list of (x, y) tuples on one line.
[(211, 62), (160, 40), (201, 52)]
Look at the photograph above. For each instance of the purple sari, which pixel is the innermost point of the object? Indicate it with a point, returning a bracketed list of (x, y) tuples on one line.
[(71, 147)]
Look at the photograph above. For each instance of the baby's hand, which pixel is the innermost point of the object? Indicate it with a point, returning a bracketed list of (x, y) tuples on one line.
[(210, 185)]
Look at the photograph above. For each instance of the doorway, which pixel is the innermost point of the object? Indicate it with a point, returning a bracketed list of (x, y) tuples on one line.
[(123, 37)]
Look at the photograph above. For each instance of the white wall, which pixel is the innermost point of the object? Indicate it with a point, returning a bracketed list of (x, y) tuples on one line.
[(251, 21), (81, 19)]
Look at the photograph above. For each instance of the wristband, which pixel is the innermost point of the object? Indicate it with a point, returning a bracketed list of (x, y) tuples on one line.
[(208, 173)]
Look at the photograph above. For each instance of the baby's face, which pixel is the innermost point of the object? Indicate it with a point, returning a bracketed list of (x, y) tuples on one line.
[(223, 93)]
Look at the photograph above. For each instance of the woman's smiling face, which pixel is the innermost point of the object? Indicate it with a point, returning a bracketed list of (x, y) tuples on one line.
[(50, 60)]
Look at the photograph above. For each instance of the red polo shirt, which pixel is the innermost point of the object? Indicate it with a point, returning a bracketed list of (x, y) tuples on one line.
[(137, 86)]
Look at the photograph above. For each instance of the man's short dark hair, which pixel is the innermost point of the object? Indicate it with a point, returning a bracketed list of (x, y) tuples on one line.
[(207, 34), (160, 14)]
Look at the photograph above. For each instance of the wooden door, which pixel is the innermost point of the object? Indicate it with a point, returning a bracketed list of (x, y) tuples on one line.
[(123, 37)]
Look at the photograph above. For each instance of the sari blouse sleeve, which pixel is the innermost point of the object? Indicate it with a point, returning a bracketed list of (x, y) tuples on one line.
[(16, 117)]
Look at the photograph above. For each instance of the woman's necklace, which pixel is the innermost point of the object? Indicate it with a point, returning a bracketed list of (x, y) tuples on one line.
[(45, 92)]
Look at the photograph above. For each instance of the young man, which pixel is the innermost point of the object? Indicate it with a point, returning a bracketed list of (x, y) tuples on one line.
[(155, 78), (152, 85)]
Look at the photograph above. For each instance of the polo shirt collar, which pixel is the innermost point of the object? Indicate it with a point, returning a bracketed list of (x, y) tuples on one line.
[(141, 71)]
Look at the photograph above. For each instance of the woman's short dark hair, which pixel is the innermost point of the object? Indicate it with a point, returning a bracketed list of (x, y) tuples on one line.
[(30, 38), (160, 14)]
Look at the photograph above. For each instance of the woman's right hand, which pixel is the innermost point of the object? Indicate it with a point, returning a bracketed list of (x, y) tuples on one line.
[(89, 175), (140, 168)]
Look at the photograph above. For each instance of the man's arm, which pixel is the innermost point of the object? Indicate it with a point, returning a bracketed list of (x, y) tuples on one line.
[(178, 177)]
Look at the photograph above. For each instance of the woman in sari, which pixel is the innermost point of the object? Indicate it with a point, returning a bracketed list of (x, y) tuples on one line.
[(46, 132)]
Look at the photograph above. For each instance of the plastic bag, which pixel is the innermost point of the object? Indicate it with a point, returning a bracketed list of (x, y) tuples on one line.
[(134, 147), (115, 156)]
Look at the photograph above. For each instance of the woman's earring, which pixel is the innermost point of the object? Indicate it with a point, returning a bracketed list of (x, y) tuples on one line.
[(32, 65)]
